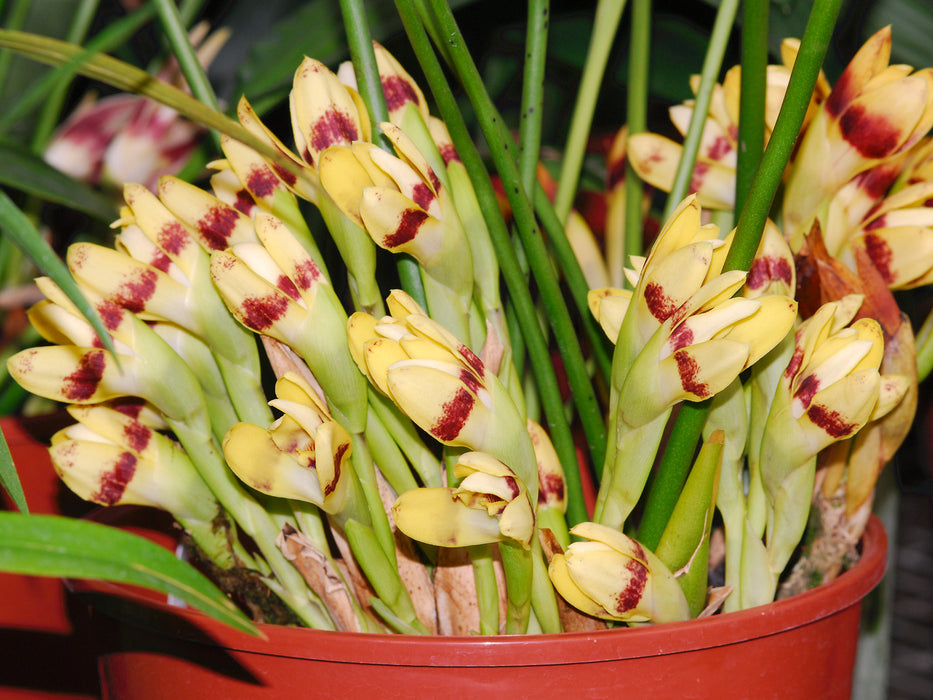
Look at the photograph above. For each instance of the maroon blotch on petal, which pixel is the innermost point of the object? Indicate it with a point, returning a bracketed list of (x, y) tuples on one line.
[(133, 294), (398, 92), (331, 129), (881, 255), (137, 435), (659, 304), (172, 238), (768, 268), (407, 228), (81, 384), (630, 596), (689, 370), (873, 136), (262, 182), (259, 313), (216, 226), (114, 482), (454, 415), (832, 422)]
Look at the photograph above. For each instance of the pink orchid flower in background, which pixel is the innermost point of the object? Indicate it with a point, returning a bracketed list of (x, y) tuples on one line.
[(125, 138)]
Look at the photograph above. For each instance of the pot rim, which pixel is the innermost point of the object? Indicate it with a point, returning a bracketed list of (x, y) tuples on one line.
[(150, 610)]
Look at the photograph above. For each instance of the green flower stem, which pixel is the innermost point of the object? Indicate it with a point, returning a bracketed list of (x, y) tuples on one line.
[(388, 456), (393, 604), (51, 112), (637, 120), (515, 280), (712, 64), (403, 432), (672, 472), (553, 519), (543, 597), (518, 565), (529, 139), (558, 315), (487, 590), (925, 348), (689, 424), (751, 96), (605, 24), (576, 283), (360, 42), (184, 52), (366, 475)]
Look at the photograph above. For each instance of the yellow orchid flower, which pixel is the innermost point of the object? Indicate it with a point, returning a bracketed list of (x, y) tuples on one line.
[(441, 384), (490, 504), (613, 577), (875, 112), (303, 455)]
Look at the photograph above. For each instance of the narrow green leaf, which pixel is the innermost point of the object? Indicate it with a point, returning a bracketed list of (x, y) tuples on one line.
[(48, 545), (25, 171), (9, 478), (20, 229)]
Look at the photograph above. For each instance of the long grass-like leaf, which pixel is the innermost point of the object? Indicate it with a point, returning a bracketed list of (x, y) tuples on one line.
[(9, 478), (25, 171), (19, 228), (48, 545)]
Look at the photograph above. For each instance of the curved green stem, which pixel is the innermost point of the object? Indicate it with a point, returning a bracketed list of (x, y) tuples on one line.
[(529, 140), (751, 96), (608, 14), (637, 119), (184, 52)]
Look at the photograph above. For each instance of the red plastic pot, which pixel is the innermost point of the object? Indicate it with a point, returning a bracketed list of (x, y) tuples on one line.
[(802, 647), (46, 652)]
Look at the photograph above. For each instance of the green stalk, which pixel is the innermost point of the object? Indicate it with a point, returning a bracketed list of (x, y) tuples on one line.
[(487, 590), (529, 140), (752, 96), (52, 107), (689, 425), (637, 119), (558, 315), (605, 24), (925, 348), (712, 64), (360, 42), (516, 282), (184, 52), (576, 282)]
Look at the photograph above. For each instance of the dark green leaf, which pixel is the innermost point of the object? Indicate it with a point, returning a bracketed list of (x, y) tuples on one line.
[(48, 545), (19, 228), (8, 477), (26, 171)]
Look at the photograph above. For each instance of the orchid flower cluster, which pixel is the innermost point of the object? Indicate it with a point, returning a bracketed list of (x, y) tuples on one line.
[(399, 476)]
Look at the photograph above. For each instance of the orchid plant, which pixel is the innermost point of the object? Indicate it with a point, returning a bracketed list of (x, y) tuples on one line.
[(413, 465)]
